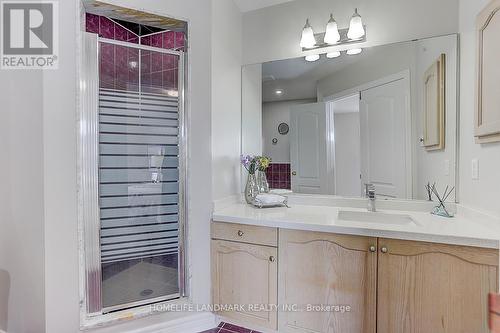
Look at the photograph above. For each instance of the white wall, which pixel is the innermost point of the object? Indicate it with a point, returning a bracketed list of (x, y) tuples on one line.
[(273, 33), (482, 194), (431, 165), (21, 202), (273, 114), (226, 98), (59, 166), (251, 110), (5, 209), (60, 174), (347, 154)]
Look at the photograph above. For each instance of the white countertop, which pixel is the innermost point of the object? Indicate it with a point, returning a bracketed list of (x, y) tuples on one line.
[(460, 230)]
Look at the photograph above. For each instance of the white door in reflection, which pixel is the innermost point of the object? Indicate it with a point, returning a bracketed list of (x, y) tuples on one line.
[(385, 136), (309, 149)]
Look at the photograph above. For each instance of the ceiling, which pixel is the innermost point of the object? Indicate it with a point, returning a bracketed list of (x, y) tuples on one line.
[(249, 5), (295, 68), (298, 78)]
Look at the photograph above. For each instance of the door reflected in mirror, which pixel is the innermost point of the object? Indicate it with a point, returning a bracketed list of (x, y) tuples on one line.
[(357, 119)]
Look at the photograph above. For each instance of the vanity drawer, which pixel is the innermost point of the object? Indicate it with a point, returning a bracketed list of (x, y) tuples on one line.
[(245, 233)]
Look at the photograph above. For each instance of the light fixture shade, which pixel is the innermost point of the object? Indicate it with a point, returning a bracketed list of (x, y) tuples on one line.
[(356, 29), (354, 51), (333, 54), (307, 41), (312, 57), (332, 35)]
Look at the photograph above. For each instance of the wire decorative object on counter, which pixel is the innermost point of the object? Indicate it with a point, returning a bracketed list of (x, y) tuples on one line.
[(441, 209)]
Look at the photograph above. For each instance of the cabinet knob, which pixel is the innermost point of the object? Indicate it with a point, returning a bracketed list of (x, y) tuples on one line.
[(240, 233), (294, 173), (272, 259), (384, 249), (373, 248)]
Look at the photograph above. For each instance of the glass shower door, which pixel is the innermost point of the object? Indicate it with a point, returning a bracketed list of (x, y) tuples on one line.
[(140, 180)]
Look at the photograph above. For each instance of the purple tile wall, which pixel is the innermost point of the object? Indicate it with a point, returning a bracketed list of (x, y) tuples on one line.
[(229, 328), (169, 40), (119, 65), (278, 176), (159, 71), (106, 28)]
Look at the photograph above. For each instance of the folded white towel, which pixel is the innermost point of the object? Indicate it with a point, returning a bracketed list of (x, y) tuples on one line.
[(270, 199), (280, 191)]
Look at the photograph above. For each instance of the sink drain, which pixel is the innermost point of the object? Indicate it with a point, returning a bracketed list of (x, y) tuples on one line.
[(146, 292)]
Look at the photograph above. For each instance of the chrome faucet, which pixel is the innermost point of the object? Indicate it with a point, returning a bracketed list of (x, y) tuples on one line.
[(370, 194)]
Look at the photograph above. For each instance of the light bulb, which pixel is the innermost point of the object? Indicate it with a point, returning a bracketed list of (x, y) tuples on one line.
[(356, 29), (312, 57), (334, 54), (332, 35), (279, 92), (354, 51), (307, 41)]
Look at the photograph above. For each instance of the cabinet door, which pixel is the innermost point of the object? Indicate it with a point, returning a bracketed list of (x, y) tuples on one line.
[(487, 127), (426, 287), (245, 275), (329, 270)]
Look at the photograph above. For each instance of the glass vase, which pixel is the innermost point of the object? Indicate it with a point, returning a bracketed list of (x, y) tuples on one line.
[(251, 188), (262, 183)]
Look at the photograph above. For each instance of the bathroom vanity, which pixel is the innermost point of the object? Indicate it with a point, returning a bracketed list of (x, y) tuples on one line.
[(427, 274)]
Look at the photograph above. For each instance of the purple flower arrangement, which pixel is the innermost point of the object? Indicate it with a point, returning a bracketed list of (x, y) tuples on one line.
[(253, 163)]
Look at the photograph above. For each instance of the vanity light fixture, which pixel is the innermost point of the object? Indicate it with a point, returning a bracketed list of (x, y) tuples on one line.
[(312, 57), (332, 55), (356, 29), (308, 40), (354, 51), (332, 35), (355, 34)]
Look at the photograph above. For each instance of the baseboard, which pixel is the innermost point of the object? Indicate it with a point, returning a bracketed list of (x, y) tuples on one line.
[(198, 322)]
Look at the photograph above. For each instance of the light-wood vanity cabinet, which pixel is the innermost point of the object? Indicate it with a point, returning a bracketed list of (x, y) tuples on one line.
[(245, 274), (390, 286), (400, 287), (428, 287), (329, 269)]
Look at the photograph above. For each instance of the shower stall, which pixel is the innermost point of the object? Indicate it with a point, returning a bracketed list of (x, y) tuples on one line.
[(132, 165)]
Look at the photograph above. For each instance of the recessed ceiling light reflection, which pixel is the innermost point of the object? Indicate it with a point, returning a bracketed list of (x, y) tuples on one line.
[(331, 55), (312, 57), (354, 51)]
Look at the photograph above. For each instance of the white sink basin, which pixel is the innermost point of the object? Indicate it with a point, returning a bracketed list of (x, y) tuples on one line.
[(375, 217)]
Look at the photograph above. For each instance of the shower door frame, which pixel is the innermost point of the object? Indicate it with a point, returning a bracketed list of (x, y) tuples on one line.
[(89, 217)]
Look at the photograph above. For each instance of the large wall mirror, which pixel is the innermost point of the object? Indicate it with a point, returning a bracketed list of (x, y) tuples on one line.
[(386, 116)]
